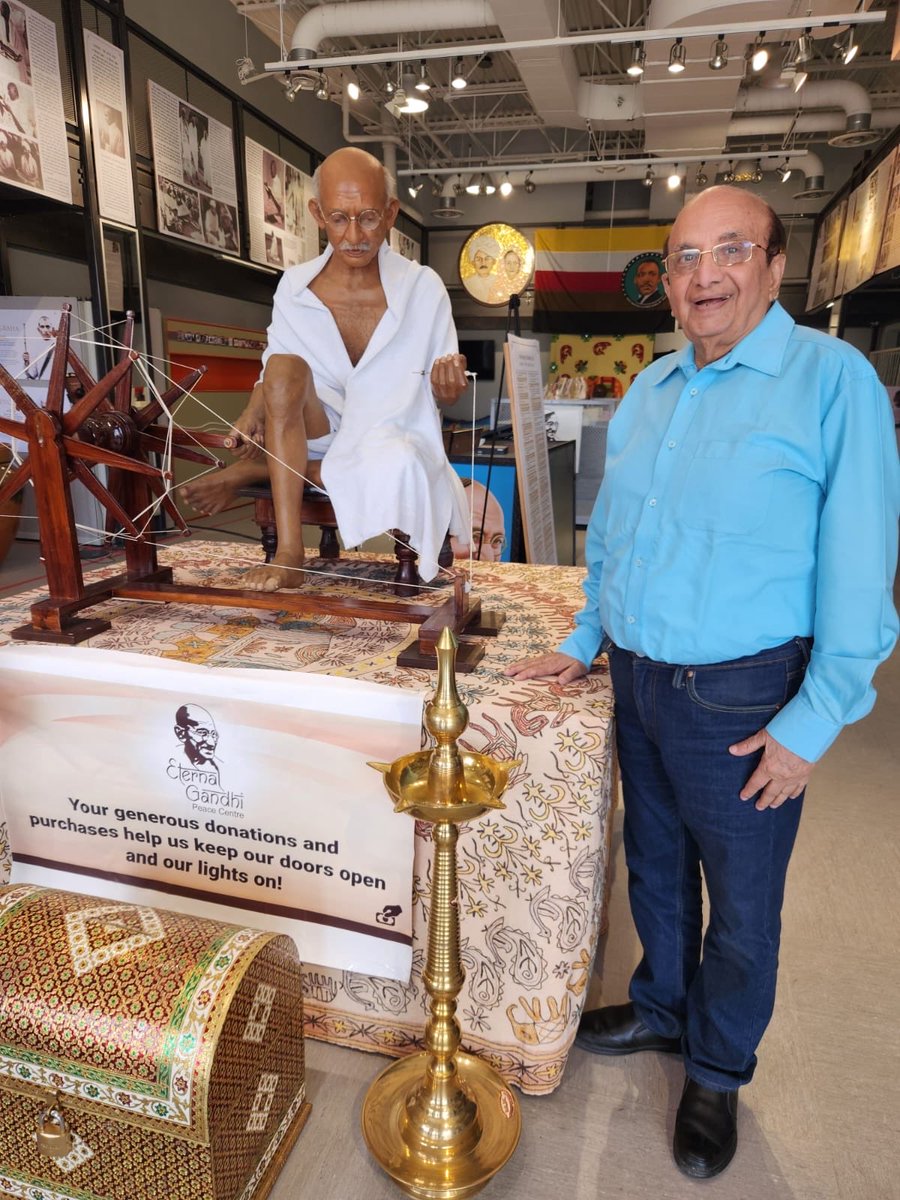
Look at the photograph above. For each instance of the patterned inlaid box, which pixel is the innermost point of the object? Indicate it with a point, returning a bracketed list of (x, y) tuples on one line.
[(171, 1045)]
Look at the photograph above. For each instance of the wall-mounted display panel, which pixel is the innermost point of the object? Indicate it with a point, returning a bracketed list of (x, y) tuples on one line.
[(33, 148), (193, 160), (283, 232), (105, 66)]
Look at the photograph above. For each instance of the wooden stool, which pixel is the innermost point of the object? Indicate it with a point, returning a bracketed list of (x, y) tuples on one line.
[(316, 509)]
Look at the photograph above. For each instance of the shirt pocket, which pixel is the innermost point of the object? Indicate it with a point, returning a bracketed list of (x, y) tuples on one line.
[(727, 488)]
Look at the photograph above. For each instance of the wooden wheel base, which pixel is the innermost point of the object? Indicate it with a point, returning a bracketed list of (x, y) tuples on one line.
[(71, 634)]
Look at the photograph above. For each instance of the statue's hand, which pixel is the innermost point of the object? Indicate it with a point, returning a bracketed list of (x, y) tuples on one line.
[(448, 378)]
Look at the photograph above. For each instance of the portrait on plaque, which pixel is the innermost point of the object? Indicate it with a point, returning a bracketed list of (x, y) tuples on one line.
[(642, 280), (496, 262)]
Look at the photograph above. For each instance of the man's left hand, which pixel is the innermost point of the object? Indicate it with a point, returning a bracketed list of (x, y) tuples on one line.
[(448, 378), (780, 775)]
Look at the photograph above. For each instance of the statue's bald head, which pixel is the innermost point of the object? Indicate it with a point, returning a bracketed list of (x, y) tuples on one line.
[(351, 165)]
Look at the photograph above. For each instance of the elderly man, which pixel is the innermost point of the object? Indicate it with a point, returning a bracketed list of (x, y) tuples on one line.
[(740, 558), (361, 346)]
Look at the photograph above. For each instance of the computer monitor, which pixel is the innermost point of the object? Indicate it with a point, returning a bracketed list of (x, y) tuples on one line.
[(480, 356)]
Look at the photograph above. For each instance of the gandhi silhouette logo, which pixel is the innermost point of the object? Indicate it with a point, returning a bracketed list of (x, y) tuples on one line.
[(197, 767), (388, 915)]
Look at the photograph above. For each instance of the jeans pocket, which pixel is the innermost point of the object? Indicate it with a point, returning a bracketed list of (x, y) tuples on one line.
[(750, 688)]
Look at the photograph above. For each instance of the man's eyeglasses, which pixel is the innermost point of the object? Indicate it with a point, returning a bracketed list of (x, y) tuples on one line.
[(726, 254), (368, 220)]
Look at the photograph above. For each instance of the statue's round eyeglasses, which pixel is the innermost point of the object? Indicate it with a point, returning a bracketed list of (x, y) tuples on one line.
[(369, 219), (726, 254)]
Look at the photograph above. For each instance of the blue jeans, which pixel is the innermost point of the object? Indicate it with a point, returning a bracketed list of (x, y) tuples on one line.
[(674, 725)]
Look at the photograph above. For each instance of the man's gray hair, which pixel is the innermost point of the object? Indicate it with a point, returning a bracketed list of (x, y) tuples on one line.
[(390, 184)]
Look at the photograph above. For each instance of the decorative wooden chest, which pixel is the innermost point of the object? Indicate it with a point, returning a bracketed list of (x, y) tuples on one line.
[(144, 1055)]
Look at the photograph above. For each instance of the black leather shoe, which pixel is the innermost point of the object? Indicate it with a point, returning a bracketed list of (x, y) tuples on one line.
[(617, 1029), (705, 1130)]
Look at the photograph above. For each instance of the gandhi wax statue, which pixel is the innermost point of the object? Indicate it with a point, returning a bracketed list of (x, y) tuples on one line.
[(360, 348)]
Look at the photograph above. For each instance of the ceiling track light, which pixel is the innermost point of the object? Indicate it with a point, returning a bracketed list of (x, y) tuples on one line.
[(488, 187), (389, 88), (353, 88), (638, 58), (473, 187), (649, 177), (322, 87), (759, 55), (757, 172), (728, 177), (674, 179), (785, 171), (805, 48), (800, 77), (702, 177), (458, 78), (529, 184), (506, 187), (677, 57), (718, 55)]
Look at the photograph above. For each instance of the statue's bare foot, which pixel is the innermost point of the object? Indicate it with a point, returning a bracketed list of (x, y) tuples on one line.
[(218, 490), (271, 577)]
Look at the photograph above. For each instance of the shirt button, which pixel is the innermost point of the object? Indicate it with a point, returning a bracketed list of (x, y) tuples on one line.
[(693, 391), (638, 562), (671, 445), (653, 502), (631, 620)]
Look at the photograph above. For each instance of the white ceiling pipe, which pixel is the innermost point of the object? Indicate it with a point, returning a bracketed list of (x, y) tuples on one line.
[(597, 170), (806, 122), (836, 93), (384, 16)]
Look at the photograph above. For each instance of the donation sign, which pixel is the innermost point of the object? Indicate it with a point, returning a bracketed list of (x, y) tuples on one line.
[(244, 795)]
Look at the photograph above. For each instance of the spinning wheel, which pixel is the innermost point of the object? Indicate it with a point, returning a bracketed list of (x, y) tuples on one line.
[(103, 427)]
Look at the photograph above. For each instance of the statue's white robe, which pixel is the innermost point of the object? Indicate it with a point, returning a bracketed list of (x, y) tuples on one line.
[(386, 468)]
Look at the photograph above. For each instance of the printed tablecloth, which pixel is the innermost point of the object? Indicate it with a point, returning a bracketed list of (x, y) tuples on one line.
[(532, 877)]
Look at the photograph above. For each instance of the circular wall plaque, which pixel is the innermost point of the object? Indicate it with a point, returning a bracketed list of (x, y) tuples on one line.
[(642, 280), (496, 262)]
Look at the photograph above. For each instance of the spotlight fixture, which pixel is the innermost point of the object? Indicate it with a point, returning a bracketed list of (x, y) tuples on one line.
[(728, 177), (846, 52), (322, 87), (674, 179), (506, 187), (677, 57), (529, 184), (718, 55), (702, 178), (800, 77), (785, 171), (759, 55), (757, 172), (413, 102), (638, 57), (414, 187), (805, 49), (473, 187), (488, 187), (649, 177), (389, 88), (458, 78), (353, 91), (422, 84)]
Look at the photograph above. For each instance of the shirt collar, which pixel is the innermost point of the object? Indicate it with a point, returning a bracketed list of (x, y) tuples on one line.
[(762, 349), (303, 274)]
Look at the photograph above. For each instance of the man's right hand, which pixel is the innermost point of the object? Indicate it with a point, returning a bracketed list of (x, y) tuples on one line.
[(561, 666), (247, 436)]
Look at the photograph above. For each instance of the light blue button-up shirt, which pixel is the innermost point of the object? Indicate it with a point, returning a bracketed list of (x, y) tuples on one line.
[(746, 503)]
